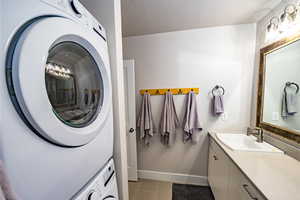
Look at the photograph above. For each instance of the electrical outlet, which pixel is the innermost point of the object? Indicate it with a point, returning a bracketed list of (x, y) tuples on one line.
[(275, 116), (224, 116)]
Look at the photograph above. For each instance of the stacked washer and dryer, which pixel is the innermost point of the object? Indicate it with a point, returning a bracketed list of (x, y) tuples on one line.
[(56, 132)]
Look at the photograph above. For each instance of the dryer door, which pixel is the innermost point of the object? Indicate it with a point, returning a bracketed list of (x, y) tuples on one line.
[(59, 81)]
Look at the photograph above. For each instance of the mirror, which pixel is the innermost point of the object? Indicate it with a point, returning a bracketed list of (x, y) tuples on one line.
[(278, 92)]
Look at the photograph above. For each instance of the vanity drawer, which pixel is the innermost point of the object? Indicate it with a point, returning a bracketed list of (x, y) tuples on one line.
[(249, 191), (240, 187)]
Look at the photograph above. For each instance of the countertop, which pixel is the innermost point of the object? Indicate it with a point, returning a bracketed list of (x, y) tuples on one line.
[(277, 176)]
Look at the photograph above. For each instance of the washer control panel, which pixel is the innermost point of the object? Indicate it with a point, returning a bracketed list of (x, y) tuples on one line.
[(102, 187), (77, 11), (59, 4)]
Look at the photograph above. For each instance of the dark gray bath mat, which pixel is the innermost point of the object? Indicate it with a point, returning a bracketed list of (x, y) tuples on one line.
[(191, 192)]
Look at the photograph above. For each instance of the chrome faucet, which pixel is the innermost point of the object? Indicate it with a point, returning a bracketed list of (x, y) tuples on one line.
[(257, 132)]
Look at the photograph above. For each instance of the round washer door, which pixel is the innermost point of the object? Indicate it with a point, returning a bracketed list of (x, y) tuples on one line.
[(60, 76)]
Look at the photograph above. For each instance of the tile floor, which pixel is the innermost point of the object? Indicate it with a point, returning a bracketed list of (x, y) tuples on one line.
[(150, 190)]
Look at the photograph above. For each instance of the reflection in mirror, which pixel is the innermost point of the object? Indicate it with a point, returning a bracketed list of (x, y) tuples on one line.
[(74, 84), (281, 102)]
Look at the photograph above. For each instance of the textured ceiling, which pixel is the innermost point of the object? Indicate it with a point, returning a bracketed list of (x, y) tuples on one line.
[(141, 17)]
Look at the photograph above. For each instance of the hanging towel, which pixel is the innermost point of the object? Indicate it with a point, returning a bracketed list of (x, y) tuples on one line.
[(289, 103), (191, 124), (6, 192), (218, 106), (145, 121), (169, 121)]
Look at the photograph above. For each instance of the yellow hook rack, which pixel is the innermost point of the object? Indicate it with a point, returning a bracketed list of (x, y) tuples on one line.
[(175, 91)]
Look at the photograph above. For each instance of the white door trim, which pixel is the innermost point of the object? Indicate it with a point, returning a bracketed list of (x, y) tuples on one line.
[(129, 82)]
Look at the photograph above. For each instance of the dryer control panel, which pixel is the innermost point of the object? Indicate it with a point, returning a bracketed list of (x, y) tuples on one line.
[(102, 187)]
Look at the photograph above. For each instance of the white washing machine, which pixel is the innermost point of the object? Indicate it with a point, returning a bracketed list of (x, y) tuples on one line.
[(102, 187), (56, 125)]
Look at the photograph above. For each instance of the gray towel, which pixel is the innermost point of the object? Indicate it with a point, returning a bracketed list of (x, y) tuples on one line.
[(191, 124), (289, 103), (6, 192), (218, 106), (169, 121), (145, 121)]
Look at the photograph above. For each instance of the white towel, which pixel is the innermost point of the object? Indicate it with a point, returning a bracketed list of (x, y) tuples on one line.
[(6, 192), (191, 124), (169, 121), (145, 121)]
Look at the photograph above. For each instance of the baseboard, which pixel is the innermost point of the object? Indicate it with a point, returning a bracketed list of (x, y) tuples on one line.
[(173, 177)]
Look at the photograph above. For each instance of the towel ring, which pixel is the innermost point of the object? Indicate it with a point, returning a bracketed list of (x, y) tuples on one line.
[(217, 87), (289, 84)]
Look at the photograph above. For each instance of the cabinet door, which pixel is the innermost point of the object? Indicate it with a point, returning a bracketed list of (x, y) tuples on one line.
[(234, 185), (218, 172), (239, 187), (249, 191), (212, 170)]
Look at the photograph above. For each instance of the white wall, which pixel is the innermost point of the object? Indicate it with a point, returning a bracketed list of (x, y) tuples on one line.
[(108, 12), (194, 58)]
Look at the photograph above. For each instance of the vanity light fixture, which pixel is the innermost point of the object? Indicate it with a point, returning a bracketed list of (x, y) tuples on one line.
[(284, 25), (58, 71)]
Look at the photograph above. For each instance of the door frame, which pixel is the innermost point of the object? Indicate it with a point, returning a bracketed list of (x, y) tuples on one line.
[(129, 83)]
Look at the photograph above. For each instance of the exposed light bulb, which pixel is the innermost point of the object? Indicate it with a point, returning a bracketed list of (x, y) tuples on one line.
[(287, 19), (272, 30), (56, 68), (285, 23)]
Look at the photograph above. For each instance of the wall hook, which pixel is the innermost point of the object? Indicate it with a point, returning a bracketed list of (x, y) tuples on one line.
[(174, 91)]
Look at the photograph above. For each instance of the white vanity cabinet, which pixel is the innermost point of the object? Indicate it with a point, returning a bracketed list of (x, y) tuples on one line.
[(218, 172), (226, 179)]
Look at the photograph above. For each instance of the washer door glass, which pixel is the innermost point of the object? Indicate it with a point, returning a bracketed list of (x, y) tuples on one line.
[(74, 84)]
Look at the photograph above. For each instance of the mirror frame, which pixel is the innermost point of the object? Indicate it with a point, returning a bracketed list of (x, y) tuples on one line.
[(278, 130)]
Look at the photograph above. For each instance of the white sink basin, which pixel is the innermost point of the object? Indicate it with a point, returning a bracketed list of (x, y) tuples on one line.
[(242, 142)]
